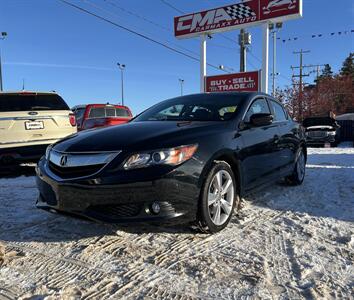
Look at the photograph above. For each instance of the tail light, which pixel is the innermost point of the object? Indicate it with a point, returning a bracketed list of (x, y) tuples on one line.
[(72, 119)]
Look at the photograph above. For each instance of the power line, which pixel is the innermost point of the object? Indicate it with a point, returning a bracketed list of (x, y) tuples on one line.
[(317, 35), (137, 15), (145, 19), (134, 32), (173, 7)]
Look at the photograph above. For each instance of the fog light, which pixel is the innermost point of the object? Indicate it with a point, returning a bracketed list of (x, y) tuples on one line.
[(155, 207)]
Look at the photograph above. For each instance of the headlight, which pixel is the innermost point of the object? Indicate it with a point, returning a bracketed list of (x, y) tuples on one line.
[(172, 156), (47, 152), (331, 133)]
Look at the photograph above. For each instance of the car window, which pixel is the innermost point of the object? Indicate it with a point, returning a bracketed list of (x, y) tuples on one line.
[(79, 114), (122, 112), (97, 112), (202, 107), (110, 112), (279, 114), (27, 102), (259, 106)]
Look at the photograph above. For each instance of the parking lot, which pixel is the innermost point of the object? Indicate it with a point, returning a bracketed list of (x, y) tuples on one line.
[(286, 243)]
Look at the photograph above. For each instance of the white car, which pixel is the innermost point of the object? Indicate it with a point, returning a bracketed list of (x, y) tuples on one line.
[(276, 5), (29, 122)]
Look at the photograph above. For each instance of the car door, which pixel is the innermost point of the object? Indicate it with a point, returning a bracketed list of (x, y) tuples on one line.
[(287, 144), (259, 151)]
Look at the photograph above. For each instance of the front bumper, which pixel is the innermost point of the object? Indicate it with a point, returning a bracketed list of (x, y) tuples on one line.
[(320, 141), (119, 203), (29, 153)]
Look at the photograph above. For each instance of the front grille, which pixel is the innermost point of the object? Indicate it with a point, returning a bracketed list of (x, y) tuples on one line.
[(116, 211), (78, 164), (317, 134), (74, 172)]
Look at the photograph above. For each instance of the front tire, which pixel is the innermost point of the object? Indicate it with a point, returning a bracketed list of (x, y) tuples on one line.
[(218, 198), (298, 175)]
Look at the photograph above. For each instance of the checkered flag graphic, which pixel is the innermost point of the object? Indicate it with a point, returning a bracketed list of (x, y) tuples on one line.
[(240, 11)]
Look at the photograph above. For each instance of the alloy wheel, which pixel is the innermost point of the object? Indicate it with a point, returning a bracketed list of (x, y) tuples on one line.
[(221, 194), (300, 166)]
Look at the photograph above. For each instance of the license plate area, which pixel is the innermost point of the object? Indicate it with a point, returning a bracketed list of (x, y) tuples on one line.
[(34, 125)]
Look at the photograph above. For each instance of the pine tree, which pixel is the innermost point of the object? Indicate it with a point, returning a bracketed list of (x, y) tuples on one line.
[(348, 66), (327, 73)]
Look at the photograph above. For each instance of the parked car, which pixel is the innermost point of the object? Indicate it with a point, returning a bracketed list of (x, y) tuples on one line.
[(29, 122), (187, 159), (100, 115), (321, 131)]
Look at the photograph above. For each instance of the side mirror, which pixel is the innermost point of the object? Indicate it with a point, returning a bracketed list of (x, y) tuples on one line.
[(261, 119)]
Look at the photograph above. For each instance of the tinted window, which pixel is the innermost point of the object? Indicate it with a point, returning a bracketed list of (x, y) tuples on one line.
[(79, 114), (97, 112), (279, 114), (110, 112), (194, 108), (27, 102), (121, 112), (259, 106)]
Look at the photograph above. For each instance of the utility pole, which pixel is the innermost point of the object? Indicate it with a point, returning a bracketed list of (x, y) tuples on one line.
[(181, 81), (3, 36), (300, 76), (122, 67), (244, 40)]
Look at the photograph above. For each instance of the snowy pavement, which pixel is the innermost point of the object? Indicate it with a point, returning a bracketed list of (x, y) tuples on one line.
[(286, 243)]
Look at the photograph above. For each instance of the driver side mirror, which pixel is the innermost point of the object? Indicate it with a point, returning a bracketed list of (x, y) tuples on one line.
[(261, 119)]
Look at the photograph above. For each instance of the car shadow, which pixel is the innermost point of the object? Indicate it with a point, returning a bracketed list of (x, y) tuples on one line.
[(14, 171), (327, 190)]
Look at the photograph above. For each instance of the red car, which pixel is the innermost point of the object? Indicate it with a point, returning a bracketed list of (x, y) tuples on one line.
[(99, 115)]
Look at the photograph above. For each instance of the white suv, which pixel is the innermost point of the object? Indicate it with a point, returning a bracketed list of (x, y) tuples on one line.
[(29, 122)]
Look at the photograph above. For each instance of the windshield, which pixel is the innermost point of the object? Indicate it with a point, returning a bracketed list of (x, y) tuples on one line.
[(27, 102), (207, 107)]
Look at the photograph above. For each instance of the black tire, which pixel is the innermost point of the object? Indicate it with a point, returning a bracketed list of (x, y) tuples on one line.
[(297, 178), (204, 220)]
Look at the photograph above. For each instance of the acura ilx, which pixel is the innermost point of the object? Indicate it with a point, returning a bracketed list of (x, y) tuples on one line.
[(188, 159)]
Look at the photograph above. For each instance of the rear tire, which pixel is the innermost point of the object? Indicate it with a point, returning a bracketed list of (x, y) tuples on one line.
[(298, 175), (218, 198)]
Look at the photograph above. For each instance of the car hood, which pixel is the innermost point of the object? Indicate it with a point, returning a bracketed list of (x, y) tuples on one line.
[(325, 121), (138, 135)]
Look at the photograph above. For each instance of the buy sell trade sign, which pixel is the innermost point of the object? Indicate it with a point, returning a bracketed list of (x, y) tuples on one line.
[(238, 82)]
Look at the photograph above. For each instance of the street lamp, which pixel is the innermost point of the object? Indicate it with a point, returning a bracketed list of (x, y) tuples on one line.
[(3, 36), (275, 28), (181, 81), (122, 67)]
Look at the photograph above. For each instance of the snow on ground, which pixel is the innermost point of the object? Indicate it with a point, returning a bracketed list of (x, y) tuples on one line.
[(287, 243)]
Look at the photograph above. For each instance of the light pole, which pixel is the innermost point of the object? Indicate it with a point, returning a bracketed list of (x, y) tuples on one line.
[(122, 67), (274, 29), (3, 36), (181, 81)]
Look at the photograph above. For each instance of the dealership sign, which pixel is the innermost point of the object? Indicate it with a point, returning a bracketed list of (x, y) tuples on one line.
[(238, 82), (235, 16)]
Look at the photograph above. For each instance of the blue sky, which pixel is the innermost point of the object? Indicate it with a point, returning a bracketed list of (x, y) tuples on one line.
[(55, 47)]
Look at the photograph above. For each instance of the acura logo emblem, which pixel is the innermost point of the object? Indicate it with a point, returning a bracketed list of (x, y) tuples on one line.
[(63, 160)]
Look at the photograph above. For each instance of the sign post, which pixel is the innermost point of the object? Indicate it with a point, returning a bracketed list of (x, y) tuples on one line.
[(265, 57), (202, 62)]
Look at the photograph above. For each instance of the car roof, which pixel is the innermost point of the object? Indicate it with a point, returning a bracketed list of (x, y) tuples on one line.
[(99, 105), (28, 92)]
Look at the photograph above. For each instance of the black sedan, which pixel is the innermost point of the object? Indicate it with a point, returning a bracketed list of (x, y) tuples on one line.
[(187, 159)]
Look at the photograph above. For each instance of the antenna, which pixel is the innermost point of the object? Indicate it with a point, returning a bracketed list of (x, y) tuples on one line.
[(23, 84)]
